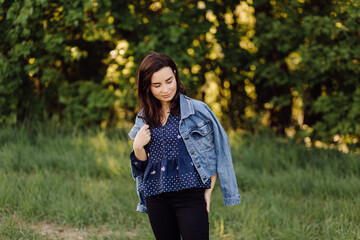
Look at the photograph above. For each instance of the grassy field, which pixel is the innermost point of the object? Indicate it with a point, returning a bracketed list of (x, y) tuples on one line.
[(60, 184)]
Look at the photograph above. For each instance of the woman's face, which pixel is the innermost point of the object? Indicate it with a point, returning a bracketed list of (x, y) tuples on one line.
[(163, 85)]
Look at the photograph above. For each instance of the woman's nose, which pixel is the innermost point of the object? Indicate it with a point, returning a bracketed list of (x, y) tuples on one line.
[(164, 89)]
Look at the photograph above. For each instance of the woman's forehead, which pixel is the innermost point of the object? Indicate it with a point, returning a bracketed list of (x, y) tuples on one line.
[(163, 74)]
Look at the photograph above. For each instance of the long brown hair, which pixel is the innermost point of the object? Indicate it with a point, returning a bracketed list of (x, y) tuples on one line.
[(150, 105)]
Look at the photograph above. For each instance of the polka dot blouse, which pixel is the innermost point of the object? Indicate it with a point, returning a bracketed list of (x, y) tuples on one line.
[(169, 166)]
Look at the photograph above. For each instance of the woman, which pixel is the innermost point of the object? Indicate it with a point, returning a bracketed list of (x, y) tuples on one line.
[(179, 151)]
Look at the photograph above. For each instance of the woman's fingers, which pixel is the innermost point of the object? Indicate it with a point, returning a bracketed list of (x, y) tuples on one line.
[(207, 199), (146, 133), (143, 137), (145, 127)]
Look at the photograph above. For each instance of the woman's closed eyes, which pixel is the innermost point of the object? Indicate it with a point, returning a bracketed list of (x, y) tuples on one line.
[(156, 85)]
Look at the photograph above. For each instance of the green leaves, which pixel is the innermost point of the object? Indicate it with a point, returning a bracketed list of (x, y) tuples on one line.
[(85, 102), (175, 33), (254, 63)]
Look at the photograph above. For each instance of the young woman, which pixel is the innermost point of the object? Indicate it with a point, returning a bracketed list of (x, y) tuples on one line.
[(179, 151)]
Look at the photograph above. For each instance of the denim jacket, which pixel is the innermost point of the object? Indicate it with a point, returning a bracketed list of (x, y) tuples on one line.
[(207, 144)]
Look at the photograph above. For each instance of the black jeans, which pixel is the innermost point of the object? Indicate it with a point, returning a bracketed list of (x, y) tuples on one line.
[(178, 213)]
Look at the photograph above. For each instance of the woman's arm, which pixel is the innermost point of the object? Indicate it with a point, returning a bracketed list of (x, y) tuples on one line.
[(140, 153), (209, 191), (142, 138)]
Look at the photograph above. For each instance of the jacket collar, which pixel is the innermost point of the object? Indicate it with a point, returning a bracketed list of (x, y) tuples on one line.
[(186, 107)]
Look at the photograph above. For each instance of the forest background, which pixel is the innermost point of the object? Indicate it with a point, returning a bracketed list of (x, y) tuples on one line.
[(292, 66)]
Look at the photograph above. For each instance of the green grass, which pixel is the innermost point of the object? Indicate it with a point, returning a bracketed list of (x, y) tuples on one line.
[(11, 229), (82, 180)]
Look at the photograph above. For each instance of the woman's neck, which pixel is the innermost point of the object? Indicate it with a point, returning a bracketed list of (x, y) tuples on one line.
[(165, 108)]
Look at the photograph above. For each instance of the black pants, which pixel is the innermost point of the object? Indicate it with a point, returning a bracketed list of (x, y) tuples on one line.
[(178, 213)]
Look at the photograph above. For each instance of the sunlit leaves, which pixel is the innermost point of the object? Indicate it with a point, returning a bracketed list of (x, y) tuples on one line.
[(246, 59)]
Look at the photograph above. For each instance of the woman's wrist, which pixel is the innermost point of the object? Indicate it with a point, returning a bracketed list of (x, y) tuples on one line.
[(140, 153), (213, 181), (137, 148)]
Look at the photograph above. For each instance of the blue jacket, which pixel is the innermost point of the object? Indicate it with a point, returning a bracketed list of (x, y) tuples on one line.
[(207, 144)]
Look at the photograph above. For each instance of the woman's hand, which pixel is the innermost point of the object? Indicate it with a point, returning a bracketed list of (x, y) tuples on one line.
[(142, 138), (208, 199), (208, 192)]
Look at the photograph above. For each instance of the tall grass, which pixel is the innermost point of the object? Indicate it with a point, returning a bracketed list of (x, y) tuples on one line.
[(83, 180), (291, 192)]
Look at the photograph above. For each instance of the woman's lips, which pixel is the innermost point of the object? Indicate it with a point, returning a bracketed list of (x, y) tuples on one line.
[(166, 96)]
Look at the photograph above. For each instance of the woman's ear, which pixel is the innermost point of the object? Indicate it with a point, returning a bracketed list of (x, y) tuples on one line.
[(174, 72)]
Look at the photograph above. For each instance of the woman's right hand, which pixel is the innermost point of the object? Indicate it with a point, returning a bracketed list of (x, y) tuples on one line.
[(142, 138)]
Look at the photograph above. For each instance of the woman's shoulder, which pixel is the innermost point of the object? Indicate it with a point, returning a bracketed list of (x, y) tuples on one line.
[(197, 104), (200, 106)]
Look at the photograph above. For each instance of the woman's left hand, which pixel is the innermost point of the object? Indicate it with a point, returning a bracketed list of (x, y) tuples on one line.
[(208, 192), (208, 199)]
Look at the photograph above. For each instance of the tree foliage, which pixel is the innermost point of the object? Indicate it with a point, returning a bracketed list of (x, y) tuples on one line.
[(289, 65)]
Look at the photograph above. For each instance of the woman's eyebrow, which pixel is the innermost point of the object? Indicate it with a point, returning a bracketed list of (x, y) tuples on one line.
[(165, 80)]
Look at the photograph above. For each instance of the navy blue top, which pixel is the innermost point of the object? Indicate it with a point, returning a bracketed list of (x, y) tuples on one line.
[(169, 166)]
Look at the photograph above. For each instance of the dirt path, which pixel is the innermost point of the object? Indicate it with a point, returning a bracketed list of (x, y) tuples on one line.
[(56, 231)]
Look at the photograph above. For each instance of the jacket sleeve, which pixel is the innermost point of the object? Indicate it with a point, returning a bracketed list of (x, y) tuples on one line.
[(225, 168), (137, 166)]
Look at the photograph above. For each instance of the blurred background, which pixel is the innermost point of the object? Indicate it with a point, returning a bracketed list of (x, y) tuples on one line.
[(290, 65), (282, 76)]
